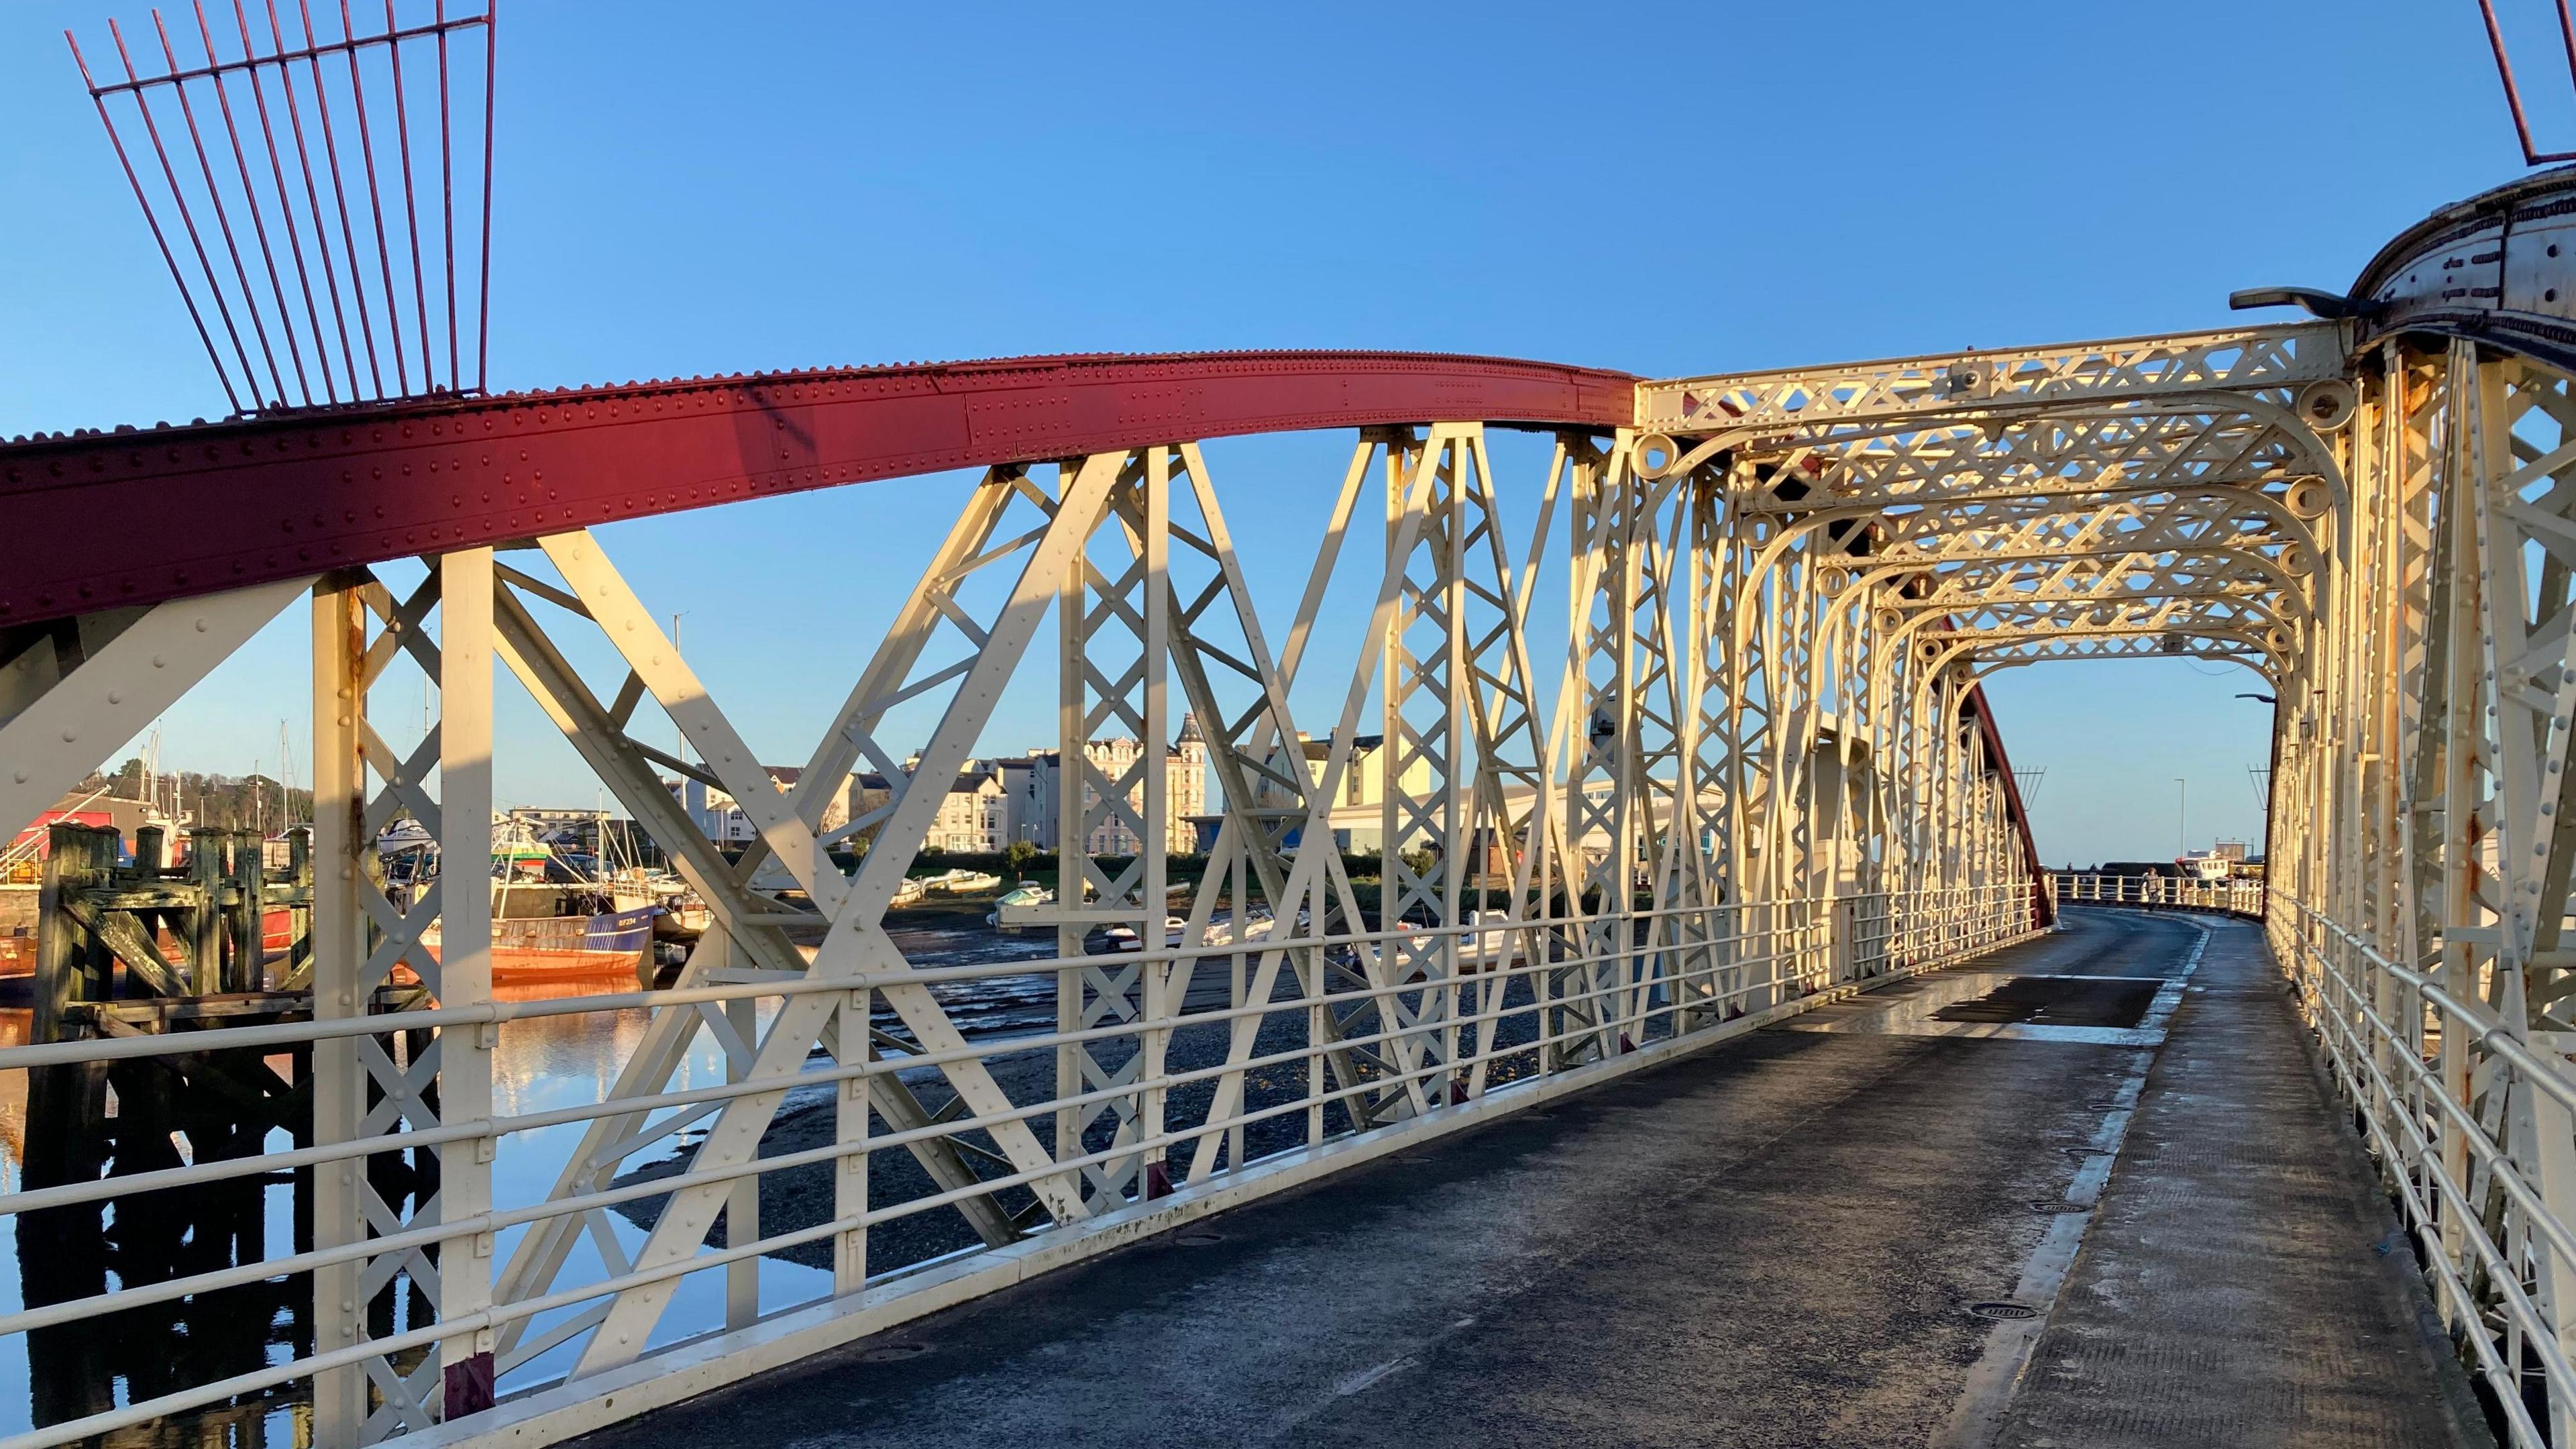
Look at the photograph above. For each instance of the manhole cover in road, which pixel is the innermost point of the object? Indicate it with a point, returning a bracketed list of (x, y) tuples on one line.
[(2004, 1311), (893, 1352), (1198, 1239)]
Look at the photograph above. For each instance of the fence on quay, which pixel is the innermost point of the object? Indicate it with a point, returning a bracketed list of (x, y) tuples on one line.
[(2235, 897)]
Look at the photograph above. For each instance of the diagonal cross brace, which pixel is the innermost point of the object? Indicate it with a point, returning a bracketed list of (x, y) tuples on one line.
[(857, 944)]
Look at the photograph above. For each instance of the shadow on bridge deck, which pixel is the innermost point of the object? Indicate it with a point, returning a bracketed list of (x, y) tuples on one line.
[(1773, 1242)]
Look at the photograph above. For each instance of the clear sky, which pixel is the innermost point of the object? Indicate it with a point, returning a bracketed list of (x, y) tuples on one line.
[(689, 188)]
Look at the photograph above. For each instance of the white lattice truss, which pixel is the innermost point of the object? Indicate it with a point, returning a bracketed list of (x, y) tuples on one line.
[(1759, 775)]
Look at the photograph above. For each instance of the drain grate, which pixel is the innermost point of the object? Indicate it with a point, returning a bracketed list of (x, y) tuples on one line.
[(2045, 1208), (2001, 1311), (893, 1352), (1198, 1238)]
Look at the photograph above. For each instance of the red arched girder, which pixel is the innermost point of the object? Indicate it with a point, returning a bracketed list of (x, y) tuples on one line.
[(102, 520)]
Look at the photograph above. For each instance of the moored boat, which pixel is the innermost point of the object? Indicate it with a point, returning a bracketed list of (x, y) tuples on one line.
[(553, 918), (534, 948)]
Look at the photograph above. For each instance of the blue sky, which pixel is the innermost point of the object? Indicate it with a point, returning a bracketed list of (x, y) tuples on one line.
[(690, 188)]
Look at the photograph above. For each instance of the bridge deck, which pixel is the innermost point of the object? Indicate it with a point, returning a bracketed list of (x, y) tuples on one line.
[(1768, 1243)]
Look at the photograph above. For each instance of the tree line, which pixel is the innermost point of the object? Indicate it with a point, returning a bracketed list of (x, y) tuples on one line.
[(225, 802)]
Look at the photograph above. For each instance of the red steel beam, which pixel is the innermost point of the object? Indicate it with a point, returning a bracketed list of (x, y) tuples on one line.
[(100, 520), (2042, 911)]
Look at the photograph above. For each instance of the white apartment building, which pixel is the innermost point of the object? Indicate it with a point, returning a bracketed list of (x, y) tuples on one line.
[(991, 802), (973, 816), (1037, 793), (720, 818)]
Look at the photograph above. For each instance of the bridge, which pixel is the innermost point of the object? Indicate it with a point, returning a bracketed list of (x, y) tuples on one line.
[(1705, 1047)]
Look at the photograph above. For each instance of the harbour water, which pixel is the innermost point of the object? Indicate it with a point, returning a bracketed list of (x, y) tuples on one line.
[(539, 1064)]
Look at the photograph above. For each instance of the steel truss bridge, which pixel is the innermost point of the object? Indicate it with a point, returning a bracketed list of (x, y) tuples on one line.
[(1755, 774)]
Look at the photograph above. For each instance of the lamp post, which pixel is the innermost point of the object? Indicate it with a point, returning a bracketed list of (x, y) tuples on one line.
[(680, 735), (2182, 805)]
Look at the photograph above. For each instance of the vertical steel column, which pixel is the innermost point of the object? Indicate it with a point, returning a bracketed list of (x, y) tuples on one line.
[(465, 964), (343, 857), (850, 1129), (2530, 685), (1146, 511), (1425, 719), (1113, 651), (742, 1202), (1602, 788), (1706, 810)]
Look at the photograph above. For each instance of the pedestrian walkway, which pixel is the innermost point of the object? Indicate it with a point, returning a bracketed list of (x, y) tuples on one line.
[(2244, 1282), (2085, 1193)]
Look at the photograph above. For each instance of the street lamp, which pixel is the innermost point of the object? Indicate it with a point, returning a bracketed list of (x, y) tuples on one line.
[(680, 735), (2182, 802)]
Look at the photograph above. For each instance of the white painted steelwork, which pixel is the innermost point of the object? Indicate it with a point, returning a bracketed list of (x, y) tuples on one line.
[(2421, 843), (1999, 910), (1567, 889), (1762, 775)]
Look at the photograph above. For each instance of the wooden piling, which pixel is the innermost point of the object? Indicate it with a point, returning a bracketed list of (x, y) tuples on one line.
[(67, 1105), (242, 878), (205, 924)]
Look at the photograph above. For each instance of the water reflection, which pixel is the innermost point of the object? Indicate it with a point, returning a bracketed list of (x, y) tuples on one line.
[(101, 1363)]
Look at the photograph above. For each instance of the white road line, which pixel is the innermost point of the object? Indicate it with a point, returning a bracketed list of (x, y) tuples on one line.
[(1990, 1385)]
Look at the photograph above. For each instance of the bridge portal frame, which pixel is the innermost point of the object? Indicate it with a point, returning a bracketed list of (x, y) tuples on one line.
[(1768, 776)]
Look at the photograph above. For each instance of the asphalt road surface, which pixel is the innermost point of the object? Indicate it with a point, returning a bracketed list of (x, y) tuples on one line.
[(1776, 1241)]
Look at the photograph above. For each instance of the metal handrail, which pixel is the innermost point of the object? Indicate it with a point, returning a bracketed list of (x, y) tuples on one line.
[(1790, 958), (2411, 1123)]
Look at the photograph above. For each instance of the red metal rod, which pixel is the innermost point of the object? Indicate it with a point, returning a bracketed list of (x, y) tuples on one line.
[(286, 205), (2513, 92), (196, 241), (213, 354), (258, 222), (340, 194), (2567, 39), (483, 266), (2504, 68), (411, 213), (375, 202), (223, 221), (311, 51), (447, 197), (313, 203)]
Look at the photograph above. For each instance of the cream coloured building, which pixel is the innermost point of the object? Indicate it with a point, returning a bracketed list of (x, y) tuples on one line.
[(1037, 793), (720, 817)]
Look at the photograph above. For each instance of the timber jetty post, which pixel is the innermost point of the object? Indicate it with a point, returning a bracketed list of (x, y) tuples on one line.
[(140, 947)]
